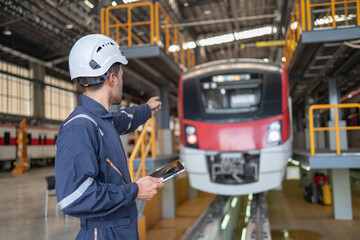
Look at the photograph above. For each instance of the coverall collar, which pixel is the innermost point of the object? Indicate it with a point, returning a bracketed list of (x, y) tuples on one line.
[(94, 107)]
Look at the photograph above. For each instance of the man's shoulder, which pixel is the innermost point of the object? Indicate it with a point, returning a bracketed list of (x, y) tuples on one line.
[(79, 117)]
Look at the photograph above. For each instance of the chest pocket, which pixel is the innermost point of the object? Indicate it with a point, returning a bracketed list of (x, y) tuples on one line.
[(102, 134)]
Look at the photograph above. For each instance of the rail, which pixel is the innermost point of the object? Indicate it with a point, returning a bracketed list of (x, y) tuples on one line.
[(218, 221), (336, 128), (146, 23), (258, 226), (143, 144), (308, 15)]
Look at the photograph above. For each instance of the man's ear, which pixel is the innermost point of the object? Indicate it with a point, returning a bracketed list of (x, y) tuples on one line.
[(112, 79)]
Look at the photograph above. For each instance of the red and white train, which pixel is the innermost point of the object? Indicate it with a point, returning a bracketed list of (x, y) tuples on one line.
[(235, 126), (41, 143)]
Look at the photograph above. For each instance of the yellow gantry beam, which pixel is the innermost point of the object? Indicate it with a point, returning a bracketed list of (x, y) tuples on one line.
[(263, 44)]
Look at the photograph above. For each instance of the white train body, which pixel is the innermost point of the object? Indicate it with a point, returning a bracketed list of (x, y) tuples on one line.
[(41, 142)]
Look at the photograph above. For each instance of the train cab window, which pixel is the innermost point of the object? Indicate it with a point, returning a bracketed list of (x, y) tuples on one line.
[(7, 138), (233, 93), (40, 143), (233, 96), (29, 138)]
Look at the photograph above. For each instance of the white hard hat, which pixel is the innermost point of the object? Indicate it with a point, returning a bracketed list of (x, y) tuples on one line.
[(93, 55)]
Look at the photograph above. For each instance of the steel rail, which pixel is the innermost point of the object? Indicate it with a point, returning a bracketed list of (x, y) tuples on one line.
[(258, 227)]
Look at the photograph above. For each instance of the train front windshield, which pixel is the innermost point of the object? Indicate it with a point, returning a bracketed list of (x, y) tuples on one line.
[(234, 97)]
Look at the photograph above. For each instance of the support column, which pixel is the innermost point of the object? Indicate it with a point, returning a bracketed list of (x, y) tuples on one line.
[(167, 139), (169, 191), (339, 178), (37, 72)]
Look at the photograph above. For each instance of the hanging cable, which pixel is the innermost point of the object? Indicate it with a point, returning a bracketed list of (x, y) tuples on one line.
[(353, 44)]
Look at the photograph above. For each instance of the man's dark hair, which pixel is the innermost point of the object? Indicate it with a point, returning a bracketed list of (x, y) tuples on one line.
[(115, 68)]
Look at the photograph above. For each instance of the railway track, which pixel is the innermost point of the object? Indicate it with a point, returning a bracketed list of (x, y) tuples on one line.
[(220, 219)]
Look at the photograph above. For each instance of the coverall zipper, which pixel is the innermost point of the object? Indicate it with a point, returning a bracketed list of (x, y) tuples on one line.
[(95, 233), (113, 166)]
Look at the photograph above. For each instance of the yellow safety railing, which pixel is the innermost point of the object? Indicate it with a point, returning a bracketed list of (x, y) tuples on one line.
[(144, 143), (308, 14), (118, 23), (336, 128)]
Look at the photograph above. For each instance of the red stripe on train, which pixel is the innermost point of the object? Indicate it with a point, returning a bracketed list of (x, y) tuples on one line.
[(34, 142)]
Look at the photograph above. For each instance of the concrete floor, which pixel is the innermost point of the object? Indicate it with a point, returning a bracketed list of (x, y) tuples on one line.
[(22, 205), (22, 208)]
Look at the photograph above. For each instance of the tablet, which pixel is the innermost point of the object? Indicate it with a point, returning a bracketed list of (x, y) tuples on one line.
[(169, 171)]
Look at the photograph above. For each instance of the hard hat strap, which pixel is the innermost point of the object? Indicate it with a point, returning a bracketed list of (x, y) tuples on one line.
[(93, 80)]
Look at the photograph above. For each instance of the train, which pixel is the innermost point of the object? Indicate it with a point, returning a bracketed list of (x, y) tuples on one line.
[(41, 144), (235, 126)]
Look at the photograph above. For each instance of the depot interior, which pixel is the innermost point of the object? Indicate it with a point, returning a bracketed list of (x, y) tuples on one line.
[(316, 41)]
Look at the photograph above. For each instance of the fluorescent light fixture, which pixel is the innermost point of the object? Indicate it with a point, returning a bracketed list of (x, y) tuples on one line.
[(234, 202), (188, 45), (174, 48), (248, 210), (329, 19), (306, 168), (89, 4), (293, 161), (257, 32), (129, 1), (69, 26), (294, 25), (225, 222), (243, 233), (226, 38), (7, 31)]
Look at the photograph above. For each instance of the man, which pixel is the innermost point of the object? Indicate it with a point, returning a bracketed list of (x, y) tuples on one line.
[(92, 176)]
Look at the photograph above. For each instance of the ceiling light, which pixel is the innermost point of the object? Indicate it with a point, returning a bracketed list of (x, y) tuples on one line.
[(113, 3), (186, 4), (129, 1), (89, 4), (7, 31), (69, 26), (283, 59), (266, 60), (207, 12)]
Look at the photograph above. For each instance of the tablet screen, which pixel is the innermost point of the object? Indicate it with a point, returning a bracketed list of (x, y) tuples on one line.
[(169, 171)]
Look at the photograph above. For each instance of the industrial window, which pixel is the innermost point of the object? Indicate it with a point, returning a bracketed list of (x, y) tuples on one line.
[(45, 140), (29, 138), (15, 92), (40, 143), (6, 138), (59, 103)]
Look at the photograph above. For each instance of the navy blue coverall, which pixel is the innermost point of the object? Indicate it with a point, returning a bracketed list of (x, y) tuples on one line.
[(91, 171)]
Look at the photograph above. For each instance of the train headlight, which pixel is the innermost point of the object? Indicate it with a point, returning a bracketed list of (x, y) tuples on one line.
[(274, 133), (191, 137)]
